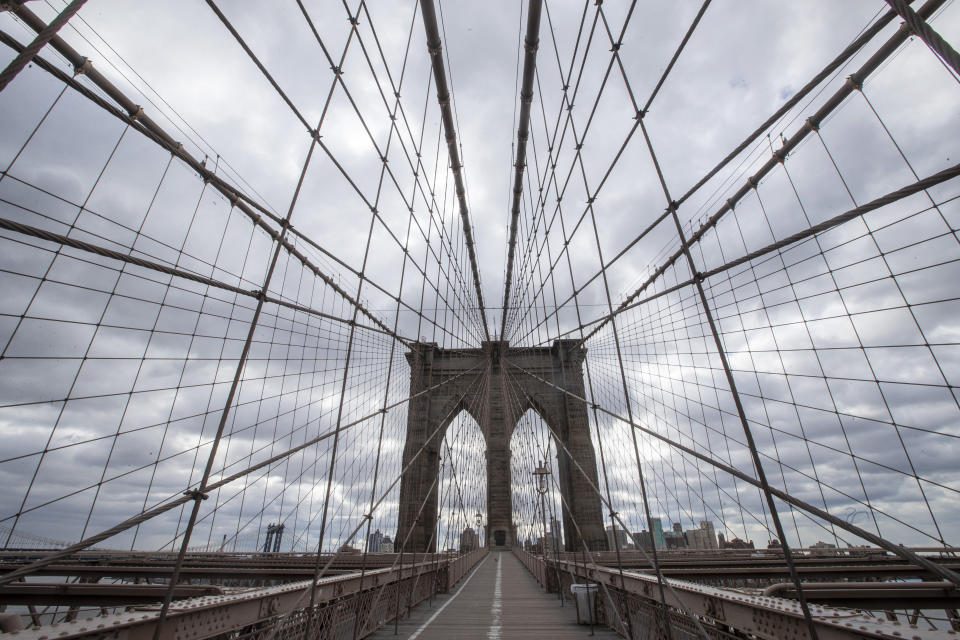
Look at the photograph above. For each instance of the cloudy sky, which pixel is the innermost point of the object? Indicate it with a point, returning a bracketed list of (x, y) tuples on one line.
[(844, 347)]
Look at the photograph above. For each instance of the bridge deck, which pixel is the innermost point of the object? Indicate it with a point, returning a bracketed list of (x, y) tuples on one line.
[(500, 599)]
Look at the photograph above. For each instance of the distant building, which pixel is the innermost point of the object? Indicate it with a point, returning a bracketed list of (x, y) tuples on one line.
[(348, 549), (734, 543), (823, 548), (657, 528), (703, 537), (550, 543), (674, 539), (616, 538), (556, 535), (642, 540), (374, 541), (468, 540), (386, 545)]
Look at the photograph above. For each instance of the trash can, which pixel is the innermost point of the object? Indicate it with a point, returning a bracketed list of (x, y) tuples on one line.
[(585, 597)]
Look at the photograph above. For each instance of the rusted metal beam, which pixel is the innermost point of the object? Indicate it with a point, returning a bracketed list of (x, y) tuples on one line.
[(874, 595), (96, 595)]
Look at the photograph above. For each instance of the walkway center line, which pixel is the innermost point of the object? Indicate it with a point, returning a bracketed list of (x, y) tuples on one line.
[(497, 606), (420, 629)]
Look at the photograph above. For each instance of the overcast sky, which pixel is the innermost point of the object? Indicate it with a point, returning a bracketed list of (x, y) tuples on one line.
[(743, 62)]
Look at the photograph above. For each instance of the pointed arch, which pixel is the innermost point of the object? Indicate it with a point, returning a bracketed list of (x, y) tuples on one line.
[(533, 444), (463, 484)]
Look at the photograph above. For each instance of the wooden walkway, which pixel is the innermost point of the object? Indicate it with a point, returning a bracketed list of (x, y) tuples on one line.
[(499, 599)]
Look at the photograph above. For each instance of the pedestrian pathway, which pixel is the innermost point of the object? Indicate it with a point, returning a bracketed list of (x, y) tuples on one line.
[(499, 599)]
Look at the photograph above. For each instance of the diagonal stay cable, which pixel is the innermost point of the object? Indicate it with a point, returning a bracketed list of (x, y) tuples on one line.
[(830, 68), (811, 125), (889, 198), (133, 115), (897, 549), (181, 500)]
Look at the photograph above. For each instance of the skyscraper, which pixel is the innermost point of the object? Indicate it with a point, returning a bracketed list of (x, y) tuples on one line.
[(616, 538), (374, 541), (657, 533), (556, 535), (468, 540)]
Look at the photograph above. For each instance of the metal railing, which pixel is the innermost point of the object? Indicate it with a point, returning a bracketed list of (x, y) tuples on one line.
[(348, 606), (629, 603)]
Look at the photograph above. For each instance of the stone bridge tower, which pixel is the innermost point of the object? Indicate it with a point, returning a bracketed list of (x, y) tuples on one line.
[(497, 403)]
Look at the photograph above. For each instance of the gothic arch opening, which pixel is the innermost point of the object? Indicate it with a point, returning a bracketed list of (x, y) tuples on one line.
[(536, 502), (462, 490)]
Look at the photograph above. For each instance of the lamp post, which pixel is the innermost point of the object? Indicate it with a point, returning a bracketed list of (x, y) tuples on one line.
[(541, 473)]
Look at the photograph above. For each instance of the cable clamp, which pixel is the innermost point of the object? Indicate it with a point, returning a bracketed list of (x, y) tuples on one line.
[(137, 113), (698, 276), (752, 182), (854, 82), (315, 134), (82, 68), (337, 71), (196, 494), (354, 20), (640, 115), (435, 51), (615, 47), (673, 206)]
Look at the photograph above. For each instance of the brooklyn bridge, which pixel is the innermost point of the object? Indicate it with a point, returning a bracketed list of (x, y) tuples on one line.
[(347, 319)]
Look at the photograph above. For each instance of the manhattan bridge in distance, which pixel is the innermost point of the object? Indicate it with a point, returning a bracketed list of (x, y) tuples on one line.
[(264, 374)]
